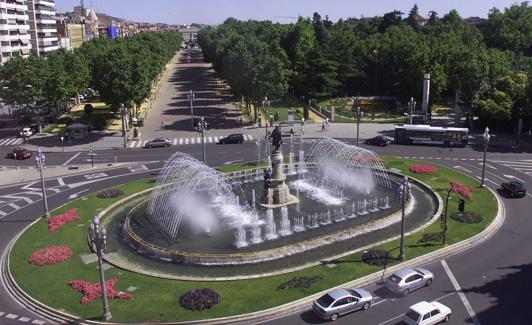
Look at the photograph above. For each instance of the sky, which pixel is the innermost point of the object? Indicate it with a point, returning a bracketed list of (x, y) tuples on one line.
[(282, 11)]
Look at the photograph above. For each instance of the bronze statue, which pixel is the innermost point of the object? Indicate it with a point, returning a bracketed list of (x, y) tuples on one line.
[(276, 138)]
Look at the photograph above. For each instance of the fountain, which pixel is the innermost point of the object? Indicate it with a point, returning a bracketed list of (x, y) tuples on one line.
[(204, 217)]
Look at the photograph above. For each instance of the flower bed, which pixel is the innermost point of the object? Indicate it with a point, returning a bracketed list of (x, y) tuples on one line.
[(423, 169), (300, 282), (93, 291), (467, 217), (60, 220), (376, 257), (199, 299), (461, 190), (50, 255), (110, 193)]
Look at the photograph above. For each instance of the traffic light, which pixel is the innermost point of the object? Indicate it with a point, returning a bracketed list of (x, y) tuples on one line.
[(461, 205)]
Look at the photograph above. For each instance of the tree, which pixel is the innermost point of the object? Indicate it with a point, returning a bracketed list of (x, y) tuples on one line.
[(390, 19), (412, 16)]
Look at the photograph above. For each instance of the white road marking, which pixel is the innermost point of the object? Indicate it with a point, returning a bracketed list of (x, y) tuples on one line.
[(3, 141), (38, 322), (2, 214), (15, 198), (216, 139), (186, 141), (11, 316), (192, 140), (95, 176), (198, 140), (210, 139), (175, 141), (511, 176), (250, 137), (181, 141), (245, 137), (9, 142), (24, 319), (462, 168), (144, 144), (461, 294), (133, 144), (488, 165), (18, 141), (72, 158), (14, 206), (61, 181), (1, 313)]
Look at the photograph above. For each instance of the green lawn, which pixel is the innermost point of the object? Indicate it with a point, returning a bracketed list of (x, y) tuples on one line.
[(157, 300)]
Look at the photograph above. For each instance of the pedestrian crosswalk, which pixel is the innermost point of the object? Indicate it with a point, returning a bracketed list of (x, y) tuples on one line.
[(11, 141), (189, 140), (524, 166)]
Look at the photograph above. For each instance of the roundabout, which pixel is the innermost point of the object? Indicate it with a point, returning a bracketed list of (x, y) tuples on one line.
[(332, 267)]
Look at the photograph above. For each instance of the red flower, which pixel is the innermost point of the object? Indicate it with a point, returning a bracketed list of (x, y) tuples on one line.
[(93, 291), (50, 255), (423, 169), (461, 189), (60, 220)]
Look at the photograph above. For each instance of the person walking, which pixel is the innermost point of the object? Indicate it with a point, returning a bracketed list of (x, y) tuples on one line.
[(162, 125), (323, 127)]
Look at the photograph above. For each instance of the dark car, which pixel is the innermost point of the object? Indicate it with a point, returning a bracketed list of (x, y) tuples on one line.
[(19, 154), (232, 138), (379, 140), (158, 143), (514, 188)]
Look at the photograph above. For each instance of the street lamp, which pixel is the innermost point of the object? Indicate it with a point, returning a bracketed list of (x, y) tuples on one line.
[(404, 193), (40, 160), (486, 138), (123, 111), (375, 52), (63, 143), (358, 114), (411, 107), (191, 97), (98, 241), (265, 104), (92, 156), (202, 130)]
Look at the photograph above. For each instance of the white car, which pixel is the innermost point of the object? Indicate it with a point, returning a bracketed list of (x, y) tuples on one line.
[(427, 313), (26, 132)]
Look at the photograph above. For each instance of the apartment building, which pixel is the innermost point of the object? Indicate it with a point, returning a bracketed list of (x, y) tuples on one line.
[(14, 29), (43, 26)]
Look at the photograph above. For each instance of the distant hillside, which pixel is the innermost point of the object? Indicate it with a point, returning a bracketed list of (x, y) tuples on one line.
[(105, 19)]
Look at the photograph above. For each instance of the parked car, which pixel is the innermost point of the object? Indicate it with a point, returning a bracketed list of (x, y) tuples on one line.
[(19, 154), (405, 281), (427, 313), (232, 138), (514, 188), (339, 302), (158, 143), (27, 132), (380, 140)]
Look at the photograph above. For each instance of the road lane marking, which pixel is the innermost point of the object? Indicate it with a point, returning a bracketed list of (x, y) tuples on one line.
[(61, 181), (511, 176), (175, 141), (462, 168), (133, 144), (250, 137), (72, 158), (198, 140), (8, 143), (3, 141), (461, 294), (192, 140), (24, 319), (216, 139), (210, 140), (11, 316), (181, 141)]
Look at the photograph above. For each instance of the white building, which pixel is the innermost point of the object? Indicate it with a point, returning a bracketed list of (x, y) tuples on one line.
[(14, 29), (43, 26)]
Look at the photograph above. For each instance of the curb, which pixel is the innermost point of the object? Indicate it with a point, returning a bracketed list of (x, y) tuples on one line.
[(269, 314)]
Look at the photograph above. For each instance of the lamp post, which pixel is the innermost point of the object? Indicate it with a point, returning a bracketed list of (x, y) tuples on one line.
[(443, 223), (202, 129), (411, 107), (486, 138), (40, 159), (404, 192), (191, 97), (359, 115), (92, 156), (123, 111), (98, 240), (375, 52), (265, 104), (63, 142)]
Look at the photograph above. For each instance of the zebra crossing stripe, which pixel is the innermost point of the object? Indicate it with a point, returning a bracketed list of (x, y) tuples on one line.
[(210, 139), (133, 144), (9, 142), (216, 139), (245, 137), (192, 140), (186, 141), (250, 137), (19, 141), (24, 319), (198, 140), (38, 322), (3, 141), (181, 141), (175, 141)]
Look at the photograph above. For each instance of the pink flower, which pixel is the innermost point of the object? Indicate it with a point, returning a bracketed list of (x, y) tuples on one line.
[(60, 220), (93, 291), (50, 255), (461, 190), (423, 169)]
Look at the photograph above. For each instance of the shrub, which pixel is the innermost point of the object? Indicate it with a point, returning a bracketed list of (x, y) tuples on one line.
[(423, 169), (431, 236), (110, 193), (467, 217), (276, 116), (375, 257), (461, 190), (300, 282), (199, 299), (88, 108)]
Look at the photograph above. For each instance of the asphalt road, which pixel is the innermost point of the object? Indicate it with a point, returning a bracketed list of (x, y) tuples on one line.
[(492, 276)]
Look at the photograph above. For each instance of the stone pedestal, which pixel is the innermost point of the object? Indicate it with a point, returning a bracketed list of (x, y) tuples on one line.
[(281, 193)]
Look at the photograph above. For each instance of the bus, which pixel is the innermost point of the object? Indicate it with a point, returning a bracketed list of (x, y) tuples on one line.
[(426, 134)]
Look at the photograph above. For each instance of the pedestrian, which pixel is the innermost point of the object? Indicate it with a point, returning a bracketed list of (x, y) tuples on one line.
[(162, 125), (291, 132), (323, 127), (327, 123)]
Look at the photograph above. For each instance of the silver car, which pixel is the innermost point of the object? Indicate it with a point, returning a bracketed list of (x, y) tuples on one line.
[(342, 301), (158, 143), (406, 280)]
